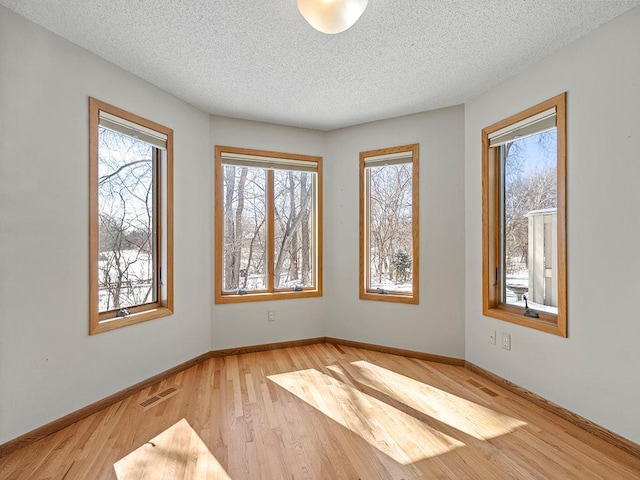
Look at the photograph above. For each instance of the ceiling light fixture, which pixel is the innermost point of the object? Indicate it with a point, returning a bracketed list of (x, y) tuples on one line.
[(331, 16)]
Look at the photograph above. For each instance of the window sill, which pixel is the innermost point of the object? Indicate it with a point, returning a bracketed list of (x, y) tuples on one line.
[(99, 326), (266, 296), (389, 297), (546, 323)]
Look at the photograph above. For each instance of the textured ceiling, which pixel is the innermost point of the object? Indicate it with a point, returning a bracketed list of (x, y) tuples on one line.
[(260, 60)]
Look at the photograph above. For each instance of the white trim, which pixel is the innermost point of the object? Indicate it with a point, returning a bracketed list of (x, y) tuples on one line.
[(144, 134), (270, 163), (538, 123), (389, 159)]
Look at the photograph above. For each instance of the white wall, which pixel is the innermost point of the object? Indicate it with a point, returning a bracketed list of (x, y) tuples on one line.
[(594, 372), (436, 325), (49, 365), (242, 324)]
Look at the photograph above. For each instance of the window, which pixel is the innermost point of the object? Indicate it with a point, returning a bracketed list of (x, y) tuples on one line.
[(131, 232), (524, 218), (268, 225), (389, 224)]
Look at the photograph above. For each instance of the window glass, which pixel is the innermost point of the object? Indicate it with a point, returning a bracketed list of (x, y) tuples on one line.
[(245, 239), (294, 234), (390, 227), (126, 212), (529, 221)]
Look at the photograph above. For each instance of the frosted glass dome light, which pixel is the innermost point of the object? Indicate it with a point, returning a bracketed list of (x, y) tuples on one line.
[(331, 16)]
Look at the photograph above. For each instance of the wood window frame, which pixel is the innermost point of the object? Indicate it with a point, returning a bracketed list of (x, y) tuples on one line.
[(270, 293), (104, 321), (365, 292), (491, 265)]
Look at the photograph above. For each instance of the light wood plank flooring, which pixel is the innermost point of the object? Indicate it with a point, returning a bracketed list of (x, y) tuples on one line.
[(322, 412)]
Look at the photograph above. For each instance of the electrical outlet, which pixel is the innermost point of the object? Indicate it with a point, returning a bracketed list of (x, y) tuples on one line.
[(492, 337), (506, 341), (271, 316)]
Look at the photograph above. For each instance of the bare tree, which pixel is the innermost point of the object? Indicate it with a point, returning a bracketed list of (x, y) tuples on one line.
[(305, 195), (244, 213), (233, 219), (290, 210), (245, 219), (293, 245), (126, 221), (530, 184), (390, 220)]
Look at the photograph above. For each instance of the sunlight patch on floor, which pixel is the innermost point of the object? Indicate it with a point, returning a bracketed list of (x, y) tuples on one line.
[(396, 434), (466, 416), (177, 453)]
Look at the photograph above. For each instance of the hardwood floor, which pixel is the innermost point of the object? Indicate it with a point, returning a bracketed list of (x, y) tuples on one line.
[(322, 412)]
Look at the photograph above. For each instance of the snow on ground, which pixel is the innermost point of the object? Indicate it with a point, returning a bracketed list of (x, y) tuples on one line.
[(522, 279)]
